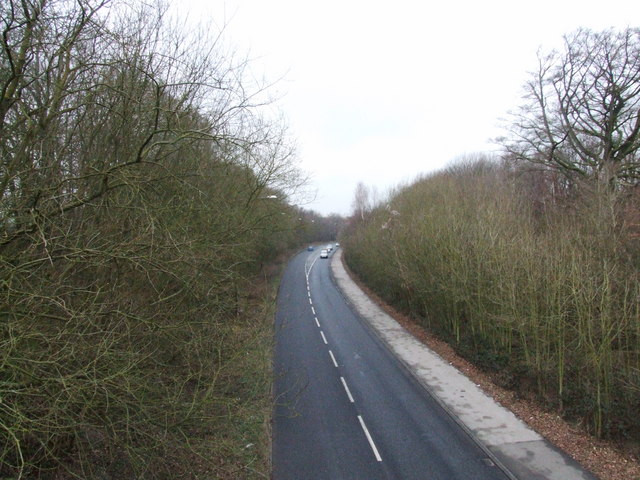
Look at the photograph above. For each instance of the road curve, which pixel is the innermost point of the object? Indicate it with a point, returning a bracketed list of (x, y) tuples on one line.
[(345, 407)]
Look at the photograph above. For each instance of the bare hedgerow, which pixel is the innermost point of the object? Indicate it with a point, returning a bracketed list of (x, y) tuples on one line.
[(543, 293), (134, 161)]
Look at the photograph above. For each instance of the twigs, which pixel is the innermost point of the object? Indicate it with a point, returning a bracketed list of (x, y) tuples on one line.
[(131, 219), (547, 298)]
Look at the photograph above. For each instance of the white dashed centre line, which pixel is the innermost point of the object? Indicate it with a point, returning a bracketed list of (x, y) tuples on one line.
[(344, 383), (335, 364), (373, 445)]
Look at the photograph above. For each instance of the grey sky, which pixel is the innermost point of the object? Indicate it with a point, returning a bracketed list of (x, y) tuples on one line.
[(380, 92)]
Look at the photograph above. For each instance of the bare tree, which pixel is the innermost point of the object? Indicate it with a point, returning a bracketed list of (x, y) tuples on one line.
[(582, 109), (361, 200)]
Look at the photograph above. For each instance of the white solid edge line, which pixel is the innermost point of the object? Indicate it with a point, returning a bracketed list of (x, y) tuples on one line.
[(344, 383), (324, 339), (335, 364), (373, 445)]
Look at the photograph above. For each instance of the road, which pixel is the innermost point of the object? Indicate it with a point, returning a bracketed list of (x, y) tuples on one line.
[(345, 407)]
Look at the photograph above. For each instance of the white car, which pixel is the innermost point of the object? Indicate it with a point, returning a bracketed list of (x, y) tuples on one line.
[(329, 247), (324, 253)]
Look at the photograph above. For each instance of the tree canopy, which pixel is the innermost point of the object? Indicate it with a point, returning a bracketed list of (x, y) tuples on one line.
[(581, 113)]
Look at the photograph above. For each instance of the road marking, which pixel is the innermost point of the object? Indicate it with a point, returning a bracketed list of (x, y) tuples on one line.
[(335, 364), (317, 322), (313, 310), (324, 338), (308, 293), (307, 271), (373, 445), (347, 389), (310, 301)]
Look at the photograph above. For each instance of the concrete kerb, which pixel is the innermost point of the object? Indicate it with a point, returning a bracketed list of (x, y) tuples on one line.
[(519, 451)]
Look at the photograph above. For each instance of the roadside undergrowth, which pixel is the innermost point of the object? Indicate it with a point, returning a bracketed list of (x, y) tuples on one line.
[(525, 278), (235, 441), (145, 183)]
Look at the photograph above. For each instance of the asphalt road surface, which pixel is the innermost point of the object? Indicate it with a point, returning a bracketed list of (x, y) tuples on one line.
[(345, 407)]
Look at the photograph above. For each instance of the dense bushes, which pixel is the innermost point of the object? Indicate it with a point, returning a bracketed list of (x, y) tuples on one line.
[(533, 269), (524, 275), (139, 188)]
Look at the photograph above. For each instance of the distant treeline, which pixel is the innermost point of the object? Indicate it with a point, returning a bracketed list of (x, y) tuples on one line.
[(529, 263), (141, 192)]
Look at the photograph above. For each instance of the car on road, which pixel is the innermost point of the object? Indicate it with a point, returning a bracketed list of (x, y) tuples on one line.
[(324, 253), (329, 247), (310, 248)]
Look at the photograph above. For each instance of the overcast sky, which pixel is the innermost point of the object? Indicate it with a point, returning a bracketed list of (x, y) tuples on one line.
[(381, 92)]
